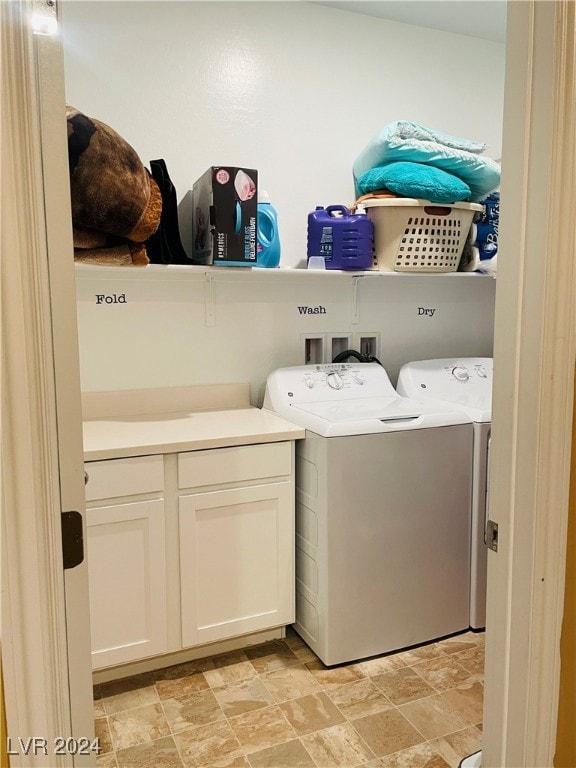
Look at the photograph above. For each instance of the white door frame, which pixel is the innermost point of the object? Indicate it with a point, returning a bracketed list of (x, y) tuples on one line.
[(534, 363), (533, 386), (47, 680)]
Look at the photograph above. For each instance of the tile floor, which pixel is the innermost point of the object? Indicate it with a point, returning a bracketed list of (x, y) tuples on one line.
[(277, 706)]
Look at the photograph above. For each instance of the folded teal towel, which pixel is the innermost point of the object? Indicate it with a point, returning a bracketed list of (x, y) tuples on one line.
[(415, 180), (404, 129), (410, 142)]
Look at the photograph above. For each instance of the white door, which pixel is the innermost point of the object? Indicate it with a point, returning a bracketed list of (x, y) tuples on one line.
[(535, 345), (45, 618)]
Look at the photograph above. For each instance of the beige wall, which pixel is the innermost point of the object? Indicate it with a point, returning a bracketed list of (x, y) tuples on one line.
[(292, 89)]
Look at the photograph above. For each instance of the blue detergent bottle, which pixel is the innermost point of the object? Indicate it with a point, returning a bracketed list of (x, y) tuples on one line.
[(267, 237)]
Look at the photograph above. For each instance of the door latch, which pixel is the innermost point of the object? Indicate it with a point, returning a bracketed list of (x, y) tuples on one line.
[(491, 535), (72, 539)]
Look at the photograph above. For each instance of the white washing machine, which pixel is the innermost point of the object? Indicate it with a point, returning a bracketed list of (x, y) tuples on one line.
[(464, 383), (383, 488)]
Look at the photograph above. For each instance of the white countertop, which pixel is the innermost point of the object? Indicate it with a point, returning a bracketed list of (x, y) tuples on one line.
[(120, 436)]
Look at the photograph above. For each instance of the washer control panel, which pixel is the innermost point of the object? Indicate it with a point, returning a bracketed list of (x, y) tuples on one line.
[(329, 381)]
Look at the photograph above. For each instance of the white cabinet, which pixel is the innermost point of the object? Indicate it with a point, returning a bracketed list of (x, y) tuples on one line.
[(236, 562), (237, 543), (126, 560), (190, 548), (127, 572)]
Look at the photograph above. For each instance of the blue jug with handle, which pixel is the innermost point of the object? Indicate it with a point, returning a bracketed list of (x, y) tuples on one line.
[(267, 237), (344, 240)]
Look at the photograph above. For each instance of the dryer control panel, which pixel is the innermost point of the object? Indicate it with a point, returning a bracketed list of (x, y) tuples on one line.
[(468, 372), (466, 382)]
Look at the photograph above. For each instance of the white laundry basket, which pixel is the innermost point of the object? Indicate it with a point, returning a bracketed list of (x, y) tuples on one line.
[(412, 235)]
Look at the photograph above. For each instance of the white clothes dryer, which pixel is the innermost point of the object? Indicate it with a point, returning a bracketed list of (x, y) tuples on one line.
[(383, 488), (463, 383)]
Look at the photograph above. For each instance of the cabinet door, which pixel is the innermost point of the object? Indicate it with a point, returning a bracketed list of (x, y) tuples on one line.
[(236, 561), (127, 572)]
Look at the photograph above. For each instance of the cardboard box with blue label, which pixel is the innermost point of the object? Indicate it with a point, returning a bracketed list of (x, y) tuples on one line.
[(224, 202)]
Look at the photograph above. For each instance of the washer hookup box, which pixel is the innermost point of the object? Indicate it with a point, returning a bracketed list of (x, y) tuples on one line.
[(224, 202)]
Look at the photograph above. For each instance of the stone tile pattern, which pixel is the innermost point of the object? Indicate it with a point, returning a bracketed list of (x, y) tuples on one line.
[(276, 705)]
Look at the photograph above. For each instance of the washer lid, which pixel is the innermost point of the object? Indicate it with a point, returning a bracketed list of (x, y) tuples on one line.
[(350, 399), (379, 408), (371, 416), (464, 383)]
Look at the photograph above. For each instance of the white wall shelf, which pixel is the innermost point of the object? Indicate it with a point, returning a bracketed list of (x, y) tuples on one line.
[(179, 271)]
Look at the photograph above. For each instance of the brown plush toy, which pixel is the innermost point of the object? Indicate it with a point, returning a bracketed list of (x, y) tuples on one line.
[(116, 204)]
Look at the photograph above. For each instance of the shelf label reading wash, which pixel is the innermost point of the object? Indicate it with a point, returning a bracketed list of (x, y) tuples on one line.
[(318, 310)]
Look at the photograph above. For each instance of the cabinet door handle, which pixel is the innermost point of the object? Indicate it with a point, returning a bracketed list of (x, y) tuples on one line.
[(86, 477)]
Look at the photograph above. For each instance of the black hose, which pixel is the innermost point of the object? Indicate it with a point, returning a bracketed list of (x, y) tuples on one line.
[(362, 358)]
